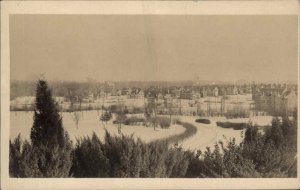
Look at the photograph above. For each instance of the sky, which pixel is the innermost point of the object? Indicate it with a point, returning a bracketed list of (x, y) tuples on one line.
[(153, 48)]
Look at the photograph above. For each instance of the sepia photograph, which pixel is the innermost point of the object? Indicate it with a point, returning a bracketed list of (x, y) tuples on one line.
[(152, 96)]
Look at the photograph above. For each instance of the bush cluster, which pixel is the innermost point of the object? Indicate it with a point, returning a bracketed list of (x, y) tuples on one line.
[(177, 121), (190, 130), (134, 120), (205, 121), (125, 157), (231, 114), (164, 122), (235, 126), (272, 154), (106, 116)]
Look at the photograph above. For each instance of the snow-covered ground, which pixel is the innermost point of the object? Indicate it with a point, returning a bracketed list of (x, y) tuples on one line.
[(207, 134), (259, 120), (21, 122)]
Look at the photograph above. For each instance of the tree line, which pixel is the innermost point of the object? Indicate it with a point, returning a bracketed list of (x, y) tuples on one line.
[(51, 153)]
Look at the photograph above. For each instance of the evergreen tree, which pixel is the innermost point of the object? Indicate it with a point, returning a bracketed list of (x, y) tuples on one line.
[(275, 133), (15, 157), (89, 159), (50, 142), (105, 117)]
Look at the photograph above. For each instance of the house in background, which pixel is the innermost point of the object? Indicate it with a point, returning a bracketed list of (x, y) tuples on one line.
[(235, 91), (203, 92), (274, 100), (216, 92), (59, 99), (290, 101)]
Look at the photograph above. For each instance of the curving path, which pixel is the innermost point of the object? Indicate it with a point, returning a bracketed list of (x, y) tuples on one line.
[(207, 135)]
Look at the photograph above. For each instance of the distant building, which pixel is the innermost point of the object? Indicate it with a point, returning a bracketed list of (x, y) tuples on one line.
[(274, 99), (126, 91), (102, 94), (186, 94), (109, 86), (137, 94), (89, 98), (160, 96), (175, 92), (167, 96), (222, 91), (229, 90), (195, 95), (290, 101), (216, 92), (140, 95), (203, 93), (235, 91), (23, 102), (59, 99), (209, 92)]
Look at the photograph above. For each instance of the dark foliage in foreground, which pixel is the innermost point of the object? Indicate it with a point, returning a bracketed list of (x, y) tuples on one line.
[(51, 154), (272, 154), (125, 157)]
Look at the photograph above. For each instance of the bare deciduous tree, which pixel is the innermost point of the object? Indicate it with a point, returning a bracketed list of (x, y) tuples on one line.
[(76, 118)]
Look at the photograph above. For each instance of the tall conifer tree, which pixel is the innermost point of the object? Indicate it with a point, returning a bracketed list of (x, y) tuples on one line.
[(50, 142)]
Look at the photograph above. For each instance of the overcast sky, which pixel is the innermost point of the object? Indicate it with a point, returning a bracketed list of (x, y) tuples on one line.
[(148, 48)]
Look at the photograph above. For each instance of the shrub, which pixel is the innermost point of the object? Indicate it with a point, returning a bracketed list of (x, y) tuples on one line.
[(236, 114), (106, 116), (113, 108), (190, 130), (176, 121), (15, 155), (89, 159), (138, 110), (205, 121), (164, 122), (235, 126), (133, 120), (201, 113), (116, 122)]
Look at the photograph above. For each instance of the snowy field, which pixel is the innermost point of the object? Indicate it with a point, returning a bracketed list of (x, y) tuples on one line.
[(259, 120), (21, 122), (207, 134)]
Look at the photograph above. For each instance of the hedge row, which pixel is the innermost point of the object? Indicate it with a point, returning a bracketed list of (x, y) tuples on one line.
[(190, 130), (205, 121), (235, 126)]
